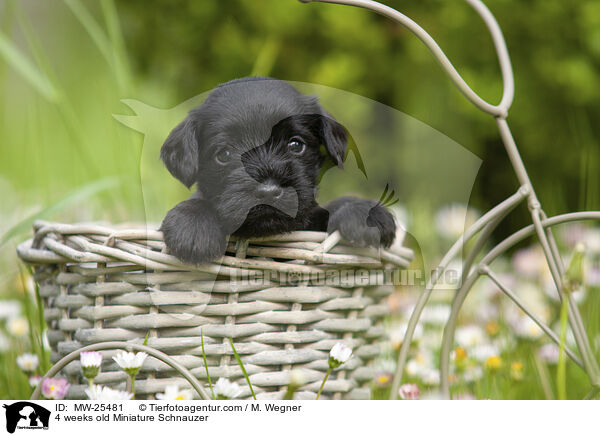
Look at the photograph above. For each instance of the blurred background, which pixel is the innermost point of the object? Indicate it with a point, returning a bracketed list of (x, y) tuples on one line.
[(67, 65)]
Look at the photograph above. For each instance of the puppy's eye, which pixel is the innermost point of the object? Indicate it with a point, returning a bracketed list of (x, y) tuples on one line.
[(296, 145), (223, 156)]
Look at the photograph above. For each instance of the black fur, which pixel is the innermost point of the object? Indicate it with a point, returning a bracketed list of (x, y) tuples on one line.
[(253, 179)]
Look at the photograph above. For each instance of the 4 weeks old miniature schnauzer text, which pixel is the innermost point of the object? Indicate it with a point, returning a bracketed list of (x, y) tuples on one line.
[(255, 149)]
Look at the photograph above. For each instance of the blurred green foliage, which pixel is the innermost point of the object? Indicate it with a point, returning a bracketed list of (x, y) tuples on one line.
[(73, 60)]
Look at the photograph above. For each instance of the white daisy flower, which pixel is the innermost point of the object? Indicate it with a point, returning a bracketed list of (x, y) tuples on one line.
[(339, 354), (226, 390), (413, 368), (483, 352), (18, 326), (28, 362), (104, 393), (130, 362), (469, 336), (172, 392)]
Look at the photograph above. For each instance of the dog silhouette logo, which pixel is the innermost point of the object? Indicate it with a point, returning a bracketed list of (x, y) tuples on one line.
[(26, 415)]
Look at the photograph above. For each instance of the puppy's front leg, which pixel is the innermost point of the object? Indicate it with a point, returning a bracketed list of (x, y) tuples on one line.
[(193, 233), (361, 222)]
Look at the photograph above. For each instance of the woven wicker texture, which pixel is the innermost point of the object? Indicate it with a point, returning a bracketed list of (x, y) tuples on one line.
[(285, 300)]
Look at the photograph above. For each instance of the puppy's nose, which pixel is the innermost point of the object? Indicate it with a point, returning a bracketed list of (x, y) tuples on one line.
[(268, 191)]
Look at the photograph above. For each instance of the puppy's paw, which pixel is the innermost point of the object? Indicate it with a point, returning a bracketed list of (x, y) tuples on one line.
[(361, 222), (192, 232)]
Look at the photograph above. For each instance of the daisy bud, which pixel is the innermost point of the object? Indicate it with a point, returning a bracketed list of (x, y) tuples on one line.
[(18, 326), (90, 363), (297, 377), (339, 354), (573, 278)]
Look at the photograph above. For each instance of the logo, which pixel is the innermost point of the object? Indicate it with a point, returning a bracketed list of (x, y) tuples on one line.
[(26, 415)]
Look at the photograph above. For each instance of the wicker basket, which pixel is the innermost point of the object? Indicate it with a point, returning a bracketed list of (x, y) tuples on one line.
[(284, 300)]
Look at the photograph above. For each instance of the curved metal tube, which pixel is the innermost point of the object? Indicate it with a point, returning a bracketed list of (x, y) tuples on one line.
[(498, 250), (579, 332), (500, 110), (581, 338), (128, 347), (500, 210), (485, 270), (525, 232), (449, 329)]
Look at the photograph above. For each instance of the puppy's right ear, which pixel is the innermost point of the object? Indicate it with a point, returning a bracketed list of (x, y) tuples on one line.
[(334, 138), (179, 153)]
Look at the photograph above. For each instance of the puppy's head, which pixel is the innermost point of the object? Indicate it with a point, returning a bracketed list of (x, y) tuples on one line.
[(255, 148)]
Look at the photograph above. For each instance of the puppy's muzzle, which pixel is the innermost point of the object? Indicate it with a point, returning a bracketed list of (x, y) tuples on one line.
[(269, 191)]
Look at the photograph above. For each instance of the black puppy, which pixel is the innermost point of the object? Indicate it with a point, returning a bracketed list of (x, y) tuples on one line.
[(255, 148)]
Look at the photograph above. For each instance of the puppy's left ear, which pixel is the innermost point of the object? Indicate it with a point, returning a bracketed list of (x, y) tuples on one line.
[(180, 152), (335, 138)]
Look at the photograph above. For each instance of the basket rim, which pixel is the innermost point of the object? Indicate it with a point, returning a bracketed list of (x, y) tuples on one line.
[(304, 251)]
